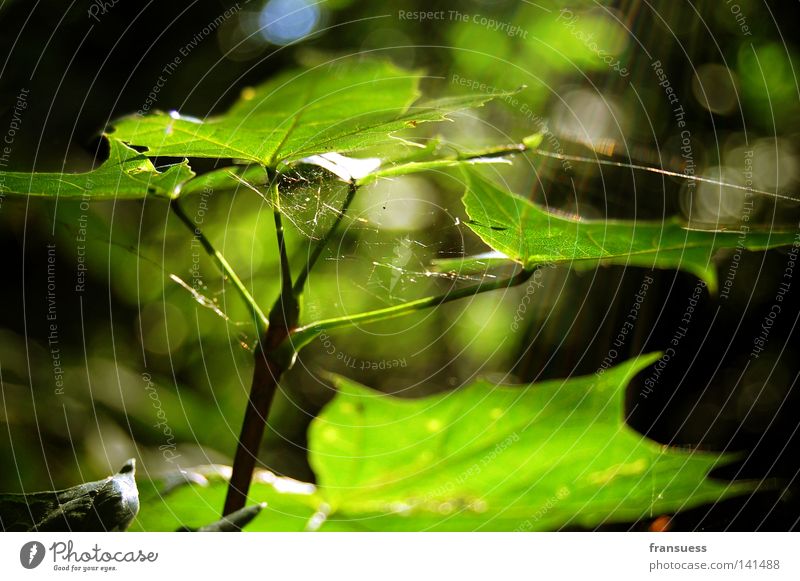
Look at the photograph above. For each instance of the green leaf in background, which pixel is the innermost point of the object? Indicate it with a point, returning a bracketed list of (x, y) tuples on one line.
[(125, 174), (531, 236), (343, 106), (485, 457)]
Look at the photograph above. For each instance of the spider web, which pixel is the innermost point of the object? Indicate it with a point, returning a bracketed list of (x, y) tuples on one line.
[(388, 265)]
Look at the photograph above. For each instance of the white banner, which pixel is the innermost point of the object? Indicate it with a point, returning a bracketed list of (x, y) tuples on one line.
[(400, 556)]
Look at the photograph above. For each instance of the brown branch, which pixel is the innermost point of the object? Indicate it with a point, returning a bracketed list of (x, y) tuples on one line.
[(266, 377)]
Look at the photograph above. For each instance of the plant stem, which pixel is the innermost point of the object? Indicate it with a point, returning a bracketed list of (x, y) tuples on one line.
[(322, 243), (286, 273), (258, 315), (302, 335), (516, 148), (266, 376), (267, 372)]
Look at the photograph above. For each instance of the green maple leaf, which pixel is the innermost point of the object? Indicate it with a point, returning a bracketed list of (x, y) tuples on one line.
[(125, 174), (344, 106), (531, 236)]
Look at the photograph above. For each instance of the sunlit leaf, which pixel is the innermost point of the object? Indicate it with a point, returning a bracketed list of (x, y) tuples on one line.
[(342, 107), (489, 457), (531, 236), (125, 174)]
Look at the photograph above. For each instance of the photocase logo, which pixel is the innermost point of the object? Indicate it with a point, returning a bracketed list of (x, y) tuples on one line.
[(31, 554)]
